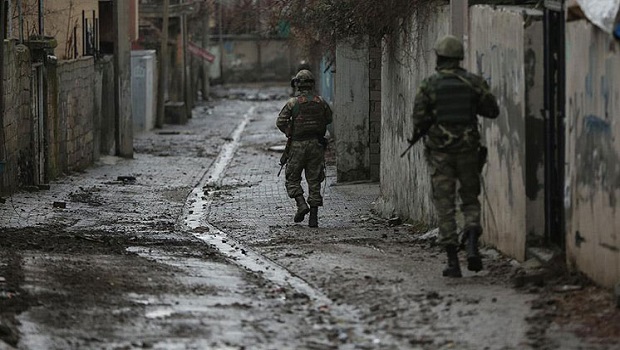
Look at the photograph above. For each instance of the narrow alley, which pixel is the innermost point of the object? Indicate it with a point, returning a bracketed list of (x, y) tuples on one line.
[(191, 245)]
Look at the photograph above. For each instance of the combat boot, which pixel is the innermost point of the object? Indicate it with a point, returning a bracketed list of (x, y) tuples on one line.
[(313, 221), (453, 269), (474, 262), (302, 209)]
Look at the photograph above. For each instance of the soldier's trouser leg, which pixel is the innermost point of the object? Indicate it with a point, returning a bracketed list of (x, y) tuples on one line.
[(469, 179), (315, 172), (443, 180), (294, 169), (469, 191)]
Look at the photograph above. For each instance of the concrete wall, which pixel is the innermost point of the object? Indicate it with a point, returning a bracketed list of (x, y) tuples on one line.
[(592, 152), (405, 182), (510, 58), (351, 112), (251, 60), (17, 125)]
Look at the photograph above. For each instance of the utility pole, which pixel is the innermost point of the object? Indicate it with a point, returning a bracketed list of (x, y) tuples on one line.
[(205, 45), (188, 97), (2, 138), (163, 66), (122, 80), (221, 39)]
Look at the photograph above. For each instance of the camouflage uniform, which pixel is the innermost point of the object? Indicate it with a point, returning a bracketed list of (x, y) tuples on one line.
[(446, 106), (304, 120)]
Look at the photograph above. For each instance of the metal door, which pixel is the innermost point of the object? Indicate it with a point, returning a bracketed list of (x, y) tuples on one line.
[(555, 91)]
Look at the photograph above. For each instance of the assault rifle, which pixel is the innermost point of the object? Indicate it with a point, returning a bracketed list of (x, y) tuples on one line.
[(418, 133), (284, 158)]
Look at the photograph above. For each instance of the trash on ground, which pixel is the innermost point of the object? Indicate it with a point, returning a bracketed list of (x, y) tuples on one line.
[(61, 205)]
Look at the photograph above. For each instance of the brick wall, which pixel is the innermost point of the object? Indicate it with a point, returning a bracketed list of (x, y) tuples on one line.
[(76, 81), (374, 72)]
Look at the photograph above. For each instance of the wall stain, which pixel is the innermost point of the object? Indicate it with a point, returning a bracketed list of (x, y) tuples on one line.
[(599, 161), (605, 86), (534, 132), (534, 156), (594, 124)]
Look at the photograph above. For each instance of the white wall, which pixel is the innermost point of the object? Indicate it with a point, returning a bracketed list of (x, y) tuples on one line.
[(592, 152), (405, 182), (499, 55), (351, 112)]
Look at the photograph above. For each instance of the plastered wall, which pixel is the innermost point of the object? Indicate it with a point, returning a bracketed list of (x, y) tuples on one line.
[(405, 182), (510, 59), (592, 152), (351, 112)]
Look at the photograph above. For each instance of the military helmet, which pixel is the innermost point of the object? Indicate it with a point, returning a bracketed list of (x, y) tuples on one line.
[(449, 46), (303, 64), (304, 78)]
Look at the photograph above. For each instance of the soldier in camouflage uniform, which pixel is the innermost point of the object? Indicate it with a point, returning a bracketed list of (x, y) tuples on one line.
[(446, 108), (304, 120)]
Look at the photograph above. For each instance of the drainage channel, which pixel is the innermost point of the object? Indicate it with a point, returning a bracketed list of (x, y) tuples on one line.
[(194, 221)]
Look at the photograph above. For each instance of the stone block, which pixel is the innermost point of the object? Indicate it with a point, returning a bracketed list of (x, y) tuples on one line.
[(375, 96), (175, 113)]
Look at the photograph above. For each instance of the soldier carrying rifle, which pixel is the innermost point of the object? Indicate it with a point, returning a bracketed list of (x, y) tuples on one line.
[(304, 120), (445, 114)]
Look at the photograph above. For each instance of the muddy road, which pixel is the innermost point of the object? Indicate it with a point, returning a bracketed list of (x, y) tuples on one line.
[(191, 245)]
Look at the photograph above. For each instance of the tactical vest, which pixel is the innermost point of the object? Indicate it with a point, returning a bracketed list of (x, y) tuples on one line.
[(455, 100), (309, 117)]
